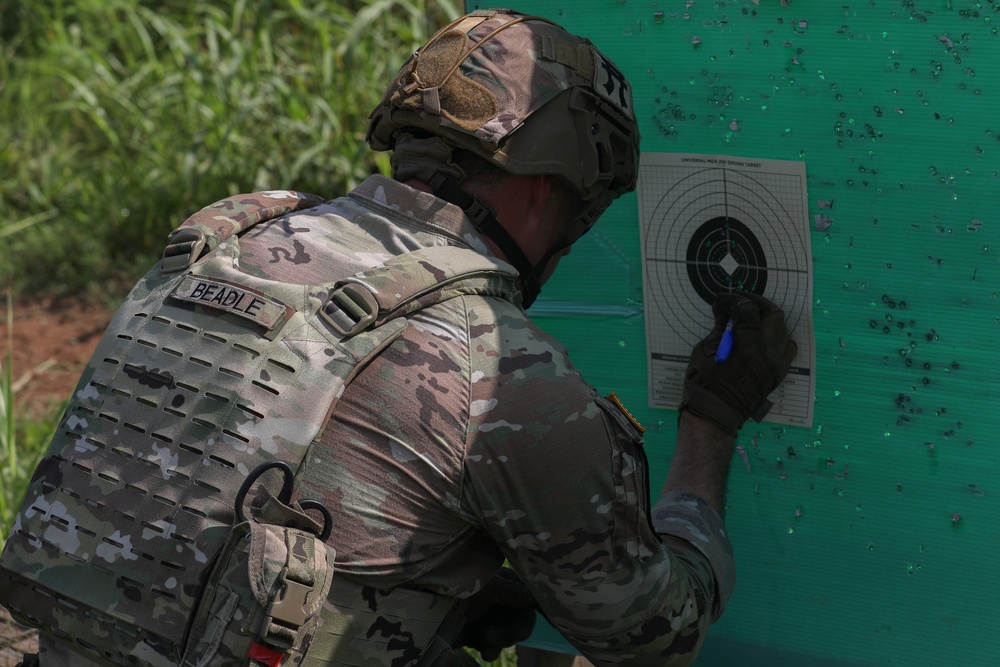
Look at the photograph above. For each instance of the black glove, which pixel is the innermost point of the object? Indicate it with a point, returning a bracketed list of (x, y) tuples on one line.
[(729, 392), (500, 615)]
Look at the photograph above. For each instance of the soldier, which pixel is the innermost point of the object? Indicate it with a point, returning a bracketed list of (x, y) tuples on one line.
[(468, 439)]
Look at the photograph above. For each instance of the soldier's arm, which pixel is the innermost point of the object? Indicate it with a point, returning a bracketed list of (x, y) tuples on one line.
[(561, 484), (700, 464), (568, 504)]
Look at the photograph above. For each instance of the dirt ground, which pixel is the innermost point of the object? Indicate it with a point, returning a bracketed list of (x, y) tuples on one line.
[(50, 343)]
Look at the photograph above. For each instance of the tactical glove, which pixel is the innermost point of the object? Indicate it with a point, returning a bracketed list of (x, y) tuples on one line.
[(500, 615), (729, 392)]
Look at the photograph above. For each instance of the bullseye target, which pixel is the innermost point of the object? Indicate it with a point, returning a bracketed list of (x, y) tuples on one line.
[(725, 256), (719, 229), (717, 224)]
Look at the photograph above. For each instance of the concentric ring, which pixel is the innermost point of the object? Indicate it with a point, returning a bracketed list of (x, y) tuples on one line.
[(718, 229)]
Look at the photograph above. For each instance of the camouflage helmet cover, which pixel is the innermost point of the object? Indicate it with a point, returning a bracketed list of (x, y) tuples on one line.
[(524, 94)]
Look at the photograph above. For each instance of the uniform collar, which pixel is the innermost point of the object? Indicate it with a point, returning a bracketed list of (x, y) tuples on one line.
[(420, 209)]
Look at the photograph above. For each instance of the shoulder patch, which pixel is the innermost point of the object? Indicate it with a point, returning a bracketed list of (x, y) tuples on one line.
[(613, 397), (611, 84)]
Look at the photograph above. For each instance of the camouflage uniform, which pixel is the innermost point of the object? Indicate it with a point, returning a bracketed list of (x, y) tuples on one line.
[(468, 441), (472, 439)]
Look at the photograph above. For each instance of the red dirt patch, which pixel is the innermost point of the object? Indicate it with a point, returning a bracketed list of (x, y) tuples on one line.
[(52, 342)]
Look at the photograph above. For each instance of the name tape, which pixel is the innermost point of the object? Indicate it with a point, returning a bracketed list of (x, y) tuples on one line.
[(236, 299)]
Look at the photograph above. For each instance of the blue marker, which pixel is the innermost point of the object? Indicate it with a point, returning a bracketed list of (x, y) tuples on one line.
[(726, 344)]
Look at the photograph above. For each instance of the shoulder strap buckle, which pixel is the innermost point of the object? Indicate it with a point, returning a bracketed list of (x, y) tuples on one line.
[(350, 309), (184, 248)]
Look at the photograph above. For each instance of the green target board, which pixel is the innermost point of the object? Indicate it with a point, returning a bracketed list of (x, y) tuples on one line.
[(862, 139)]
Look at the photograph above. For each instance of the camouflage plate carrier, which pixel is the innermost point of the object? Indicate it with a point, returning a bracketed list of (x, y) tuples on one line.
[(133, 545)]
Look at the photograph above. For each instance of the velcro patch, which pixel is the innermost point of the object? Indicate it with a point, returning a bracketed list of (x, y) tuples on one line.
[(232, 298), (611, 84)]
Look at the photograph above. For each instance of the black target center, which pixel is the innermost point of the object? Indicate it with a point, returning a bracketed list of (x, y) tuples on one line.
[(724, 255)]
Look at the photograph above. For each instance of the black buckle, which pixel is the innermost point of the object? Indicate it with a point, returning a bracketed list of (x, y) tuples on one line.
[(350, 309), (185, 247), (478, 213), (446, 189)]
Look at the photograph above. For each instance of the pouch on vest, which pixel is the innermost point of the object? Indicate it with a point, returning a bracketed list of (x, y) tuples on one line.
[(262, 596), (127, 547)]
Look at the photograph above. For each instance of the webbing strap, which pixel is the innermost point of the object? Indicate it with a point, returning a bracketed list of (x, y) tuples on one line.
[(206, 229), (413, 281), (484, 221), (443, 641)]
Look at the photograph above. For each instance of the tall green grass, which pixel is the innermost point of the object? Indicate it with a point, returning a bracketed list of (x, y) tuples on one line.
[(118, 118), (22, 441)]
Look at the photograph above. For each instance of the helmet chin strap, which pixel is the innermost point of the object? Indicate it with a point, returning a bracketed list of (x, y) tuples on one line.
[(485, 222)]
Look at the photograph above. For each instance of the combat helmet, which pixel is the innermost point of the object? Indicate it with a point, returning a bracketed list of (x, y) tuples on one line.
[(522, 93)]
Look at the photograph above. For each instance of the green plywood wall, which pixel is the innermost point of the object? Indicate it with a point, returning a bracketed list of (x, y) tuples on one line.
[(871, 537)]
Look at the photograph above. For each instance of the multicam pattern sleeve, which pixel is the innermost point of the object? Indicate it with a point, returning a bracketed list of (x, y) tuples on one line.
[(472, 439), (558, 477)]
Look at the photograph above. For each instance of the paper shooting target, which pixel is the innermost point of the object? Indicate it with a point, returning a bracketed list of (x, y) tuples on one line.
[(718, 229)]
